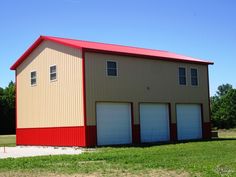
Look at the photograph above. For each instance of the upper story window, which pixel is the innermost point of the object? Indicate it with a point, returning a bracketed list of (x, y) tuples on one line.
[(182, 76), (53, 73), (111, 68), (194, 77), (33, 78)]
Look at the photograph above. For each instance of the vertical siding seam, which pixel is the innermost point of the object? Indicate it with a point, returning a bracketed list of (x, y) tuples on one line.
[(208, 92)]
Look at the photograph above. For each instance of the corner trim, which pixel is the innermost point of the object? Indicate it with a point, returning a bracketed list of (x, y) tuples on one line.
[(16, 103), (84, 94)]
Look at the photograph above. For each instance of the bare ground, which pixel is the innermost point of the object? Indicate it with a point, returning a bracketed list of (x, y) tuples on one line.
[(151, 173)]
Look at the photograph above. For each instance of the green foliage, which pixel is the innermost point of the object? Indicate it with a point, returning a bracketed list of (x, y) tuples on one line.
[(223, 107), (9, 95), (223, 89), (7, 109)]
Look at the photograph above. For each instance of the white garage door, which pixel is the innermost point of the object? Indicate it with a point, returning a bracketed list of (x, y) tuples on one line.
[(113, 123), (189, 121), (154, 122)]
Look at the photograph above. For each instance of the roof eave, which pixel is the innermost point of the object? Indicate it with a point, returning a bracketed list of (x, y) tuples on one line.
[(27, 53), (35, 45), (148, 56), (42, 38)]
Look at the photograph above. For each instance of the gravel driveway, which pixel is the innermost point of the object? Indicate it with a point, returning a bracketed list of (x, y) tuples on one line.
[(30, 151)]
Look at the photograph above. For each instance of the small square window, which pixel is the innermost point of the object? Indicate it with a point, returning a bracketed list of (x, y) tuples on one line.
[(53, 69), (194, 77), (182, 76), (33, 78), (111, 68), (53, 76), (53, 73)]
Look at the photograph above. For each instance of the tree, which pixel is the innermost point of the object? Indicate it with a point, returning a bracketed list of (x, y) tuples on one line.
[(223, 89), (9, 95), (1, 94), (228, 109), (1, 91), (223, 107), (7, 109)]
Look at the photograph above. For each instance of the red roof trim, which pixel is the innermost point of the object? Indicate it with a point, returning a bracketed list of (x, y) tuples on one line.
[(110, 48), (57, 40), (27, 53), (145, 56)]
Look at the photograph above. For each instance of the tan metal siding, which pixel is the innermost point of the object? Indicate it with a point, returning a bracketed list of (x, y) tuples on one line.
[(50, 104), (141, 80)]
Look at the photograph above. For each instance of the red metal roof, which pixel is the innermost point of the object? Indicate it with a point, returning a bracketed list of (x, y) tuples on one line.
[(111, 48)]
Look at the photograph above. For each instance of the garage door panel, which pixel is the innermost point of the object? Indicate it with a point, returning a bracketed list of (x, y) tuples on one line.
[(154, 122), (113, 123), (189, 124)]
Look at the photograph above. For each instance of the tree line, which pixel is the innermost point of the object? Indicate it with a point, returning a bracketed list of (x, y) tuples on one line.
[(223, 108), (7, 109)]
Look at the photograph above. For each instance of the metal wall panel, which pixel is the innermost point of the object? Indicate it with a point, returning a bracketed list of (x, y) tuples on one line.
[(50, 104), (62, 136), (142, 80)]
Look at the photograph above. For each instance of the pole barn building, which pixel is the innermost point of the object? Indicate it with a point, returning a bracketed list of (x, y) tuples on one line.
[(80, 93)]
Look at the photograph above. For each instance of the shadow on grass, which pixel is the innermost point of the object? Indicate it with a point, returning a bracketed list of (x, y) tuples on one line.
[(168, 143)]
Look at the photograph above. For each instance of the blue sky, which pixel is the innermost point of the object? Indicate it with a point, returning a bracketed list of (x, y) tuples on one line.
[(204, 28)]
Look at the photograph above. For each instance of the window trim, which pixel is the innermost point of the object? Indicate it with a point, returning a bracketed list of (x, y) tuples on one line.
[(191, 77), (116, 68), (32, 85), (186, 76), (54, 80)]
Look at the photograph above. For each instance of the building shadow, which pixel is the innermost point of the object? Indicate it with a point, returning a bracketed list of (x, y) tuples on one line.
[(143, 145)]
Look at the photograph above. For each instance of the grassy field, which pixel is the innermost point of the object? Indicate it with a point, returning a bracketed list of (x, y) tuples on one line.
[(206, 158), (7, 140), (223, 133)]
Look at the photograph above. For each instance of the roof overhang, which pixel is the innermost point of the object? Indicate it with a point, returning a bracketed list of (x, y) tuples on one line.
[(108, 48)]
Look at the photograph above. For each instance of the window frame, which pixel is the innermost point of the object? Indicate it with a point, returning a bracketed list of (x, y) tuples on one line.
[(191, 77), (32, 85), (186, 76), (111, 68), (54, 80)]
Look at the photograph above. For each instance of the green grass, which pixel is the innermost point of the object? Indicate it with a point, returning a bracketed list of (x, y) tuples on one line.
[(207, 158), (214, 158), (7, 140)]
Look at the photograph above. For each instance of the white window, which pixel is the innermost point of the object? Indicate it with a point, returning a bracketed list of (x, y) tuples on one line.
[(182, 76), (194, 77), (111, 68), (53, 73), (33, 78)]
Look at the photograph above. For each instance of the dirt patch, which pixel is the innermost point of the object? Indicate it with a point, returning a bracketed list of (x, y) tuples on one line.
[(33, 174), (150, 173), (170, 173), (223, 133)]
